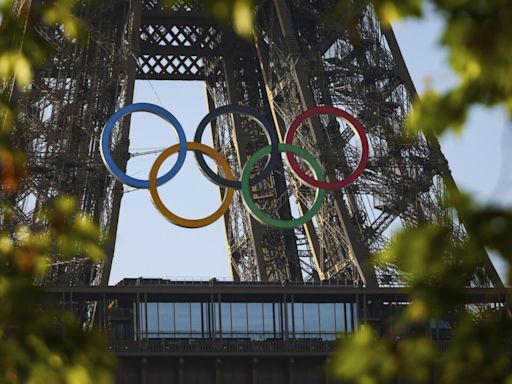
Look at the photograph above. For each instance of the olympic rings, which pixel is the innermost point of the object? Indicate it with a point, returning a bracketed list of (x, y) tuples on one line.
[(175, 219), (105, 144), (356, 127), (246, 182), (263, 217), (262, 122)]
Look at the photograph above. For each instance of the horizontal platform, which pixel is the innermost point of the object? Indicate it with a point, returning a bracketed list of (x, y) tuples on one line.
[(258, 290)]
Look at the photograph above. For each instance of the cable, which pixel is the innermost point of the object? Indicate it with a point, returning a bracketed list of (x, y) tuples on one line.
[(148, 79)]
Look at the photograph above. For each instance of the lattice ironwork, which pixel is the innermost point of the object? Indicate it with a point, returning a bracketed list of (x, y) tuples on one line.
[(160, 67), (308, 62), (60, 122), (256, 251), (299, 60)]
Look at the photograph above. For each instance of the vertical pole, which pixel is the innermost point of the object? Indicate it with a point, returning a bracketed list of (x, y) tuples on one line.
[(125, 133), (143, 363), (137, 317), (241, 147), (146, 315), (254, 370), (181, 363), (218, 371), (291, 366)]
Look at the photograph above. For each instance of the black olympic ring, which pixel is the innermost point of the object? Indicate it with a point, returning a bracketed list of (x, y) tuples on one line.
[(270, 132)]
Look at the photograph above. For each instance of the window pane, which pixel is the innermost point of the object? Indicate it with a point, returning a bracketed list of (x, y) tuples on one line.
[(327, 324), (355, 314), (196, 319), (165, 318), (311, 320), (255, 316), (152, 317), (207, 320), (226, 319), (142, 314), (239, 319), (298, 319), (278, 320), (348, 309), (268, 320), (289, 319), (340, 318), (217, 317), (182, 318)]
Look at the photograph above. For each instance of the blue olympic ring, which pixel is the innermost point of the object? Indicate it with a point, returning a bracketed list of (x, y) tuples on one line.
[(107, 156)]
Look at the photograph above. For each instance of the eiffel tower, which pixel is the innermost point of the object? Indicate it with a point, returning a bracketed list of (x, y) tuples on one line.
[(293, 291), (299, 58)]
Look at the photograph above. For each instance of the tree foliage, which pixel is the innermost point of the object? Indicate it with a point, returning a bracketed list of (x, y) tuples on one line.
[(476, 35), (39, 345)]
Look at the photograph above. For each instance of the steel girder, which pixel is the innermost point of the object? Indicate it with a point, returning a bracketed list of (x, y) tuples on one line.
[(298, 60), (60, 120)]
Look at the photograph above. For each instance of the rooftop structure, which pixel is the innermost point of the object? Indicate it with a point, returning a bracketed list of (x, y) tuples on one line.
[(235, 332)]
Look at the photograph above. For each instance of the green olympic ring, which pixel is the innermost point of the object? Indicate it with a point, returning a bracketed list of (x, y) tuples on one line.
[(261, 216)]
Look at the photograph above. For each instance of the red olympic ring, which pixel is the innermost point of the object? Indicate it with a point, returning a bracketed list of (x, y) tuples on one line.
[(356, 127)]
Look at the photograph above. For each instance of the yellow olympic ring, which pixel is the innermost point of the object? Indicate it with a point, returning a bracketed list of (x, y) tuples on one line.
[(175, 219)]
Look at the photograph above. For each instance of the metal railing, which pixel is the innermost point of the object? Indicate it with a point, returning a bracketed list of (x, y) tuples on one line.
[(212, 346), (198, 280)]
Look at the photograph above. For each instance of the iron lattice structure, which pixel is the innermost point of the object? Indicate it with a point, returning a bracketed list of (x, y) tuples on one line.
[(60, 122), (299, 59)]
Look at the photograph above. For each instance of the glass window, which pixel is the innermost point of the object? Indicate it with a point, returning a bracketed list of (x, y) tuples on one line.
[(354, 311), (239, 319), (348, 310), (258, 321), (298, 319), (327, 322), (225, 310), (166, 318), (255, 316), (268, 320), (311, 320), (182, 319), (207, 315), (341, 326), (152, 317), (142, 316), (289, 319), (196, 319), (278, 320), (216, 316)]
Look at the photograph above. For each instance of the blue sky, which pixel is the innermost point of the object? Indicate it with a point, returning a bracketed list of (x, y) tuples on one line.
[(147, 245)]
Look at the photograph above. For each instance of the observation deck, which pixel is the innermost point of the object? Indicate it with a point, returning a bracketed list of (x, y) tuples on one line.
[(165, 330)]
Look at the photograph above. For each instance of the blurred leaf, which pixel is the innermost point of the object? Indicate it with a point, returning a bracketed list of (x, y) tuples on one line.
[(16, 64), (364, 359), (389, 11), (239, 14), (243, 17), (61, 12)]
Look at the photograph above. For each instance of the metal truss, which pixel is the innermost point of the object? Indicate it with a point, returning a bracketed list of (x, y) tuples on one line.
[(176, 40), (298, 60), (354, 64), (256, 251), (60, 120)]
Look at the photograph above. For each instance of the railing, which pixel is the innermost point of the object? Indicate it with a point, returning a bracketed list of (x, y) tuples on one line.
[(183, 347), (198, 280)]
